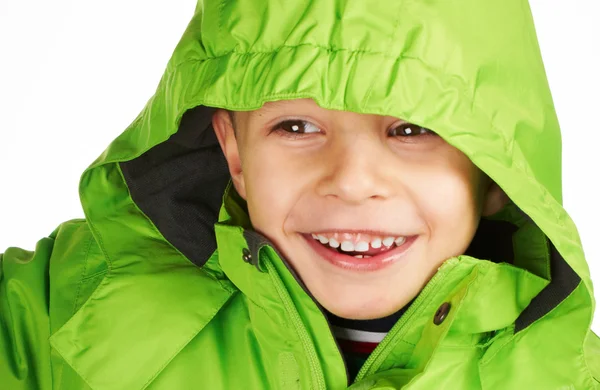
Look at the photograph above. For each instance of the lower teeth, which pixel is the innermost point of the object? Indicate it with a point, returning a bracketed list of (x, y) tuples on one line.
[(383, 249)]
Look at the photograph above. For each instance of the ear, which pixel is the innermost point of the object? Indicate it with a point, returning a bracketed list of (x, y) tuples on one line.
[(494, 199), (225, 133)]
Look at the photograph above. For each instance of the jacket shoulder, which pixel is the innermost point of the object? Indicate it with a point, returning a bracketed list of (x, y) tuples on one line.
[(39, 291), (76, 268), (62, 271)]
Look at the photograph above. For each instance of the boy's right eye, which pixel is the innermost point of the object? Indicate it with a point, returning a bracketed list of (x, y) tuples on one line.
[(296, 127)]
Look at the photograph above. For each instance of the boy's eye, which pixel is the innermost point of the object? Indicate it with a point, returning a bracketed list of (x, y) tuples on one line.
[(297, 127), (408, 130)]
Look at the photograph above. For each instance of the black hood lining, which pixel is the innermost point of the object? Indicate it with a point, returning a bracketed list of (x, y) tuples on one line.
[(564, 280), (179, 184)]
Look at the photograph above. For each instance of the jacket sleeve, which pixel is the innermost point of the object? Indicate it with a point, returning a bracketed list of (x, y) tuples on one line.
[(24, 317)]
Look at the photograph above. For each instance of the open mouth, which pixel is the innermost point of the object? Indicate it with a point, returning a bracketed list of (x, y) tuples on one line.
[(363, 252)]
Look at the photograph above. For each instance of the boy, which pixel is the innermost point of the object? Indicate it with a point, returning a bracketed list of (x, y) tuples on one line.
[(320, 195)]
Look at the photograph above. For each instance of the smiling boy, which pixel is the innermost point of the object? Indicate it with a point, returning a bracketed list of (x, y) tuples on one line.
[(320, 195), (327, 186)]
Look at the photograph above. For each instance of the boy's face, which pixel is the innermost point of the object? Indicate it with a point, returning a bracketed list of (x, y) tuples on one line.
[(356, 182)]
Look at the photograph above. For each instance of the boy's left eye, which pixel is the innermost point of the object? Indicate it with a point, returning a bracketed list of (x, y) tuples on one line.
[(297, 127), (408, 130)]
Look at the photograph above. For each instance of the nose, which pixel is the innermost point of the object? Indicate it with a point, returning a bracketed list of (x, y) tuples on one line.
[(356, 171)]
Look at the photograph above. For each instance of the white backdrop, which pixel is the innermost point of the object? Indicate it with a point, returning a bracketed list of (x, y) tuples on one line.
[(74, 74)]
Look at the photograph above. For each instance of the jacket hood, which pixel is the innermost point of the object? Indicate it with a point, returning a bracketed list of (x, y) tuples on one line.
[(471, 72)]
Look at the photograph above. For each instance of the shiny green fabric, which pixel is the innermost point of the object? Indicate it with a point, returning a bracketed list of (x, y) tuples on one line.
[(108, 303)]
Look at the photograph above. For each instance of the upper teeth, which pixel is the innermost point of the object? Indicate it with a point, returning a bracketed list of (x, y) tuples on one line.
[(360, 246), (388, 241), (348, 246), (333, 243)]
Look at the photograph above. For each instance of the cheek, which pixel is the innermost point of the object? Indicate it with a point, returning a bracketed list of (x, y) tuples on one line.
[(449, 200), (274, 183)]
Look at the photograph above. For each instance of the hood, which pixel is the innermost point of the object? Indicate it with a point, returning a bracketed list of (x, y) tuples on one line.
[(471, 72)]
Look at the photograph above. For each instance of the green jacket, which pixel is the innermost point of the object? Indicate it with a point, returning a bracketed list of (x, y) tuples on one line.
[(165, 286)]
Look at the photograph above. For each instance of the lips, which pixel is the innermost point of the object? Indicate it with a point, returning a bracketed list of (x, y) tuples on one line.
[(372, 259)]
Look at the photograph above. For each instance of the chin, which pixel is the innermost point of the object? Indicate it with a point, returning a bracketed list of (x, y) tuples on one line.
[(363, 309)]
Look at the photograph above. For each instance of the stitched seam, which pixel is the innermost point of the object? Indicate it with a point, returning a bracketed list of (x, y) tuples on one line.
[(461, 347), (220, 19), (546, 254), (329, 49), (284, 296), (92, 227), (101, 244), (81, 278), (94, 275)]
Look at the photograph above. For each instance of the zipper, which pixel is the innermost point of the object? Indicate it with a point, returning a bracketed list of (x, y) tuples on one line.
[(308, 343), (382, 350), (298, 325)]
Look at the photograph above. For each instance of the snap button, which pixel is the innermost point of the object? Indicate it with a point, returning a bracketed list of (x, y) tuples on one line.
[(246, 255), (441, 313)]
